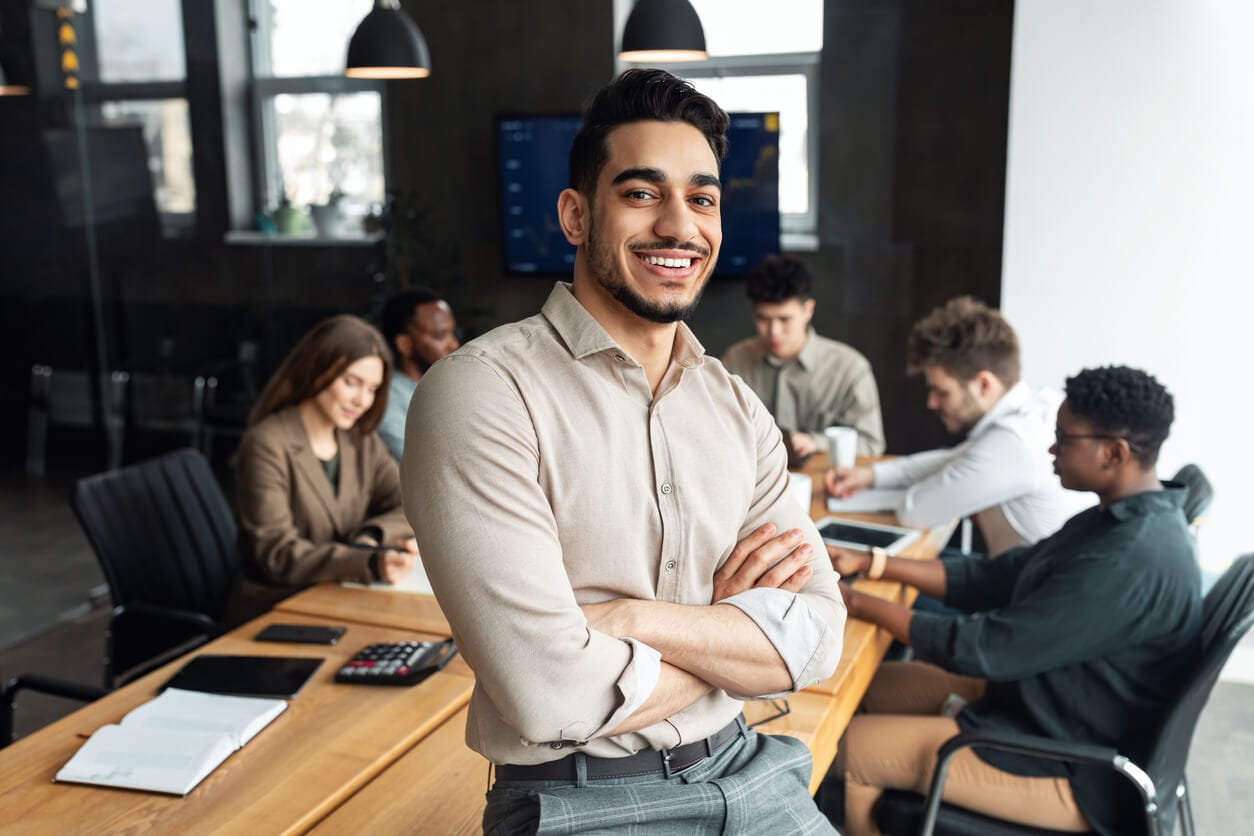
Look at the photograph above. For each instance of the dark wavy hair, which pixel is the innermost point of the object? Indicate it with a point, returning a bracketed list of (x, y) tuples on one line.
[(964, 337), (777, 279), (640, 96), (317, 359), (1126, 402)]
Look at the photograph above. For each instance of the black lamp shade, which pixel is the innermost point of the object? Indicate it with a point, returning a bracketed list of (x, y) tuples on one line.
[(387, 44), (663, 31)]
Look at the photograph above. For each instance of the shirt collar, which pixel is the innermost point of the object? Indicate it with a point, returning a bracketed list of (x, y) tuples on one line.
[(584, 336), (806, 358), (1171, 497), (1016, 396)]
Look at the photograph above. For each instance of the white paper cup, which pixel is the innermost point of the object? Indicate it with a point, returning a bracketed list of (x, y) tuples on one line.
[(801, 487), (842, 445)]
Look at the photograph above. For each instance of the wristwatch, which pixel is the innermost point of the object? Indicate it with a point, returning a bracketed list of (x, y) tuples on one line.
[(879, 558)]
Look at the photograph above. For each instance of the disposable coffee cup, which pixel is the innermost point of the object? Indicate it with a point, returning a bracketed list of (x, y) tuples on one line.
[(801, 487), (842, 445)]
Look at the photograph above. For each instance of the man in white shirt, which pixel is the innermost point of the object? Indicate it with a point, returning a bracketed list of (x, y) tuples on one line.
[(1002, 472), (421, 329)]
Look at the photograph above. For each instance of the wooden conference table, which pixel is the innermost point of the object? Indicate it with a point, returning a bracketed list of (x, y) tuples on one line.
[(350, 759)]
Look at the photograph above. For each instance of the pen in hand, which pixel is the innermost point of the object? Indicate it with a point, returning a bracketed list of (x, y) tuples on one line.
[(369, 548)]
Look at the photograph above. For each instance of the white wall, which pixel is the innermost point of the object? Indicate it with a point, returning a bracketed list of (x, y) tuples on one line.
[(1129, 231)]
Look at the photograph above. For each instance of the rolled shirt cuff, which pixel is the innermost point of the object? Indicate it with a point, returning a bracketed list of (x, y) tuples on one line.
[(795, 630), (636, 685)]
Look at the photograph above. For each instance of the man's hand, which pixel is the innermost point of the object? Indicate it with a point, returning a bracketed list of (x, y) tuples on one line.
[(846, 481), (848, 561), (853, 601), (764, 559), (803, 445)]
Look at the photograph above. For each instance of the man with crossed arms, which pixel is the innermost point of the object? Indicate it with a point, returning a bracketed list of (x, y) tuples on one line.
[(604, 516)]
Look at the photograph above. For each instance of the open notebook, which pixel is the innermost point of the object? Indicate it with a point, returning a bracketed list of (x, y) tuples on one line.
[(415, 582), (170, 743), (867, 501)]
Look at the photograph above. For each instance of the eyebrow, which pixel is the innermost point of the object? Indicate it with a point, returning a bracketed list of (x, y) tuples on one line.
[(658, 177)]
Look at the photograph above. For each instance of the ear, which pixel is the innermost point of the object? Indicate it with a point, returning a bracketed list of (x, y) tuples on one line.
[(985, 382), (572, 214), (404, 345), (1118, 453), (807, 308)]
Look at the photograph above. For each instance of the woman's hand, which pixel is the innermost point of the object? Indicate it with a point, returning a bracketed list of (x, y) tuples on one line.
[(846, 481), (396, 566)]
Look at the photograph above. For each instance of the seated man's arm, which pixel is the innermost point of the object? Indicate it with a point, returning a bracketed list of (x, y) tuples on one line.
[(1079, 611), (971, 584), (774, 632), (490, 546), (993, 468)]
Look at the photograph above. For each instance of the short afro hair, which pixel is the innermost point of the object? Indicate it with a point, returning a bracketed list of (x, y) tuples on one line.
[(777, 279), (399, 309), (1127, 402)]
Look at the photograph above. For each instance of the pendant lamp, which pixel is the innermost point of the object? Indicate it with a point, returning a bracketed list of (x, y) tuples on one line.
[(663, 31), (387, 44)]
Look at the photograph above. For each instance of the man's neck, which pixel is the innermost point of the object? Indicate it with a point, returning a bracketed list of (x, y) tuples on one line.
[(789, 356), (410, 370), (1129, 484), (649, 343)]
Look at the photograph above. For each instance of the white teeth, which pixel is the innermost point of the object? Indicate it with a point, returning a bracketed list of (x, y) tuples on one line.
[(668, 262)]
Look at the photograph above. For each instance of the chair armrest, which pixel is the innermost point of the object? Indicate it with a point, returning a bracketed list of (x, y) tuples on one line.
[(45, 685), (1036, 746), (195, 620)]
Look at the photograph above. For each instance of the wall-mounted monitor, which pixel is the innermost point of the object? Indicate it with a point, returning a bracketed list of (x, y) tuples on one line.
[(532, 154)]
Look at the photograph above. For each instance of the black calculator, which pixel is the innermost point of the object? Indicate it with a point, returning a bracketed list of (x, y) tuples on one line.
[(396, 663)]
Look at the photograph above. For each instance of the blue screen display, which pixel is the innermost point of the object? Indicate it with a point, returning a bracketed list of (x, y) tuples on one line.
[(532, 157)]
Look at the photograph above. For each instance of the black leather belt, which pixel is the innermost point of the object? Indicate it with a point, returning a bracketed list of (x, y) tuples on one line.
[(646, 762)]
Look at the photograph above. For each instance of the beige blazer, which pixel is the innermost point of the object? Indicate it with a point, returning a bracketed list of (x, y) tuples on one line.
[(293, 525)]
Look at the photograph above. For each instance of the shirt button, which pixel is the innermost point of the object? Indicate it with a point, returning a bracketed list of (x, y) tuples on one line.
[(670, 566), (555, 745), (666, 488), (620, 358)]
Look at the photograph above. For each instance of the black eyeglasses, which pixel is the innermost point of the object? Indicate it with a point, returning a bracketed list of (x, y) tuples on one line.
[(1062, 438)]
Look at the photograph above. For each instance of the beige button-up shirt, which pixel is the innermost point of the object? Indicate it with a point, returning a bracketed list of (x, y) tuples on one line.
[(540, 473), (828, 384)]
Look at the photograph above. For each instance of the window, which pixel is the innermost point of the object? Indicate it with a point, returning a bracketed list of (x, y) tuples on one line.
[(765, 57), (134, 68), (317, 133)]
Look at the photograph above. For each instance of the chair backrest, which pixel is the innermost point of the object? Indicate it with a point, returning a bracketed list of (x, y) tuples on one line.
[(163, 532), (1227, 614), (1199, 492)]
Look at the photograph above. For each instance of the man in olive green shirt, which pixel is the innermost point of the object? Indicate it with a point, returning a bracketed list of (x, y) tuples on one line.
[(808, 382)]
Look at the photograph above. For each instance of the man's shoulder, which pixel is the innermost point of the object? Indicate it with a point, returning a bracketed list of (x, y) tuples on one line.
[(509, 342), (834, 351), (742, 352)]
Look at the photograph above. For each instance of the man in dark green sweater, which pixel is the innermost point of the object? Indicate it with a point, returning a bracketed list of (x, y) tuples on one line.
[(1083, 636)]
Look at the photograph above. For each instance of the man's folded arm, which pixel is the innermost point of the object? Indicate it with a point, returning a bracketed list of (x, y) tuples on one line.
[(490, 547)]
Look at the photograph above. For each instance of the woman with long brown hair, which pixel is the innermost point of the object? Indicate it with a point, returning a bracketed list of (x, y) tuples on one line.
[(315, 485)]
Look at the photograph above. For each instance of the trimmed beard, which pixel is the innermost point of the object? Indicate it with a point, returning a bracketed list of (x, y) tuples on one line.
[(603, 269)]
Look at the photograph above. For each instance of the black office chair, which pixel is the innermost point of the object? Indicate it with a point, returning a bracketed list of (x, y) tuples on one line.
[(1199, 493), (166, 540), (1228, 613)]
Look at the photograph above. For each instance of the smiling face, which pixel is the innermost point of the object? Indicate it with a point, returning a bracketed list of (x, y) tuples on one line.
[(650, 237), (351, 393)]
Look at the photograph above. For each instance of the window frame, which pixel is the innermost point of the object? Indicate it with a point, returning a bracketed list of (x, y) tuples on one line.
[(95, 93), (263, 88), (795, 227)]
